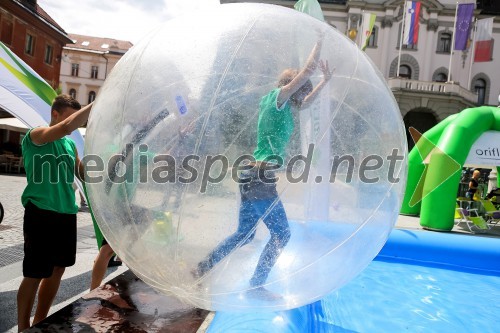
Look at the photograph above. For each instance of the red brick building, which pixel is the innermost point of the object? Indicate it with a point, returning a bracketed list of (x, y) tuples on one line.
[(38, 40), (33, 36)]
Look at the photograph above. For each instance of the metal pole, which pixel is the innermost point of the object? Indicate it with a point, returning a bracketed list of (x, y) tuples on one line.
[(473, 48), (452, 43), (401, 37), (360, 26)]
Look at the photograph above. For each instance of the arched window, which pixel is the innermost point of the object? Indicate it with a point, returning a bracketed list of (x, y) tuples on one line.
[(480, 89), (411, 64), (405, 71), (72, 93), (441, 77), (419, 119), (91, 96)]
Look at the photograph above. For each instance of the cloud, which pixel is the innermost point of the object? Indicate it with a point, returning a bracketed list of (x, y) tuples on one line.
[(147, 5), (119, 19)]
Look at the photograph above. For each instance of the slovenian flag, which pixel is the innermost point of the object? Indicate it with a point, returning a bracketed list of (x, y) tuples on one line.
[(410, 36)]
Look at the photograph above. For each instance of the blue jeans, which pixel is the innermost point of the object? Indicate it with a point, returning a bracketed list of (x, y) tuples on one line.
[(253, 207)]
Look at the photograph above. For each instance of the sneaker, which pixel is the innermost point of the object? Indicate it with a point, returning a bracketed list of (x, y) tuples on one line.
[(263, 294), (113, 262)]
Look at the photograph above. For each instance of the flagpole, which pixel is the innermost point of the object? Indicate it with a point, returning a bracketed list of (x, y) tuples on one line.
[(360, 25), (452, 43), (401, 38), (473, 49)]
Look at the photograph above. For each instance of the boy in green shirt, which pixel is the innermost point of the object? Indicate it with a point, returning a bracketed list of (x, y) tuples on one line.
[(50, 161)]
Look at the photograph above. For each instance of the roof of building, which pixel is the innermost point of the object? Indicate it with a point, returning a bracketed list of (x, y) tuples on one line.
[(41, 12), (34, 9), (98, 43)]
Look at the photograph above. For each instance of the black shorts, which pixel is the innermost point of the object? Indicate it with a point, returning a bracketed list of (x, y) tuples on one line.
[(49, 241)]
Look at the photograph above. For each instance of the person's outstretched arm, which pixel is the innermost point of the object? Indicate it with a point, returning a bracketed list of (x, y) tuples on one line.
[(327, 75), (302, 77), (41, 135)]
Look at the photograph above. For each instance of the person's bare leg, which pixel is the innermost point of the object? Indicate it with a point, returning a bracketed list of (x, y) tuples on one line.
[(100, 266), (25, 299), (47, 293)]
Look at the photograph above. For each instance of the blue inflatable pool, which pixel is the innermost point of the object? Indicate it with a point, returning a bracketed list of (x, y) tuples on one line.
[(419, 282)]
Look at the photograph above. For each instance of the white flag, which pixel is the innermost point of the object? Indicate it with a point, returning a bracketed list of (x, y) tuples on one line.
[(366, 29)]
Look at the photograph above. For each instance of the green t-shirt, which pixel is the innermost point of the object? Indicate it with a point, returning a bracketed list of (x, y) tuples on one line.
[(275, 126), (50, 172)]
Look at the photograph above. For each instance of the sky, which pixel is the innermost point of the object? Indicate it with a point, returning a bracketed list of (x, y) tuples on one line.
[(126, 20)]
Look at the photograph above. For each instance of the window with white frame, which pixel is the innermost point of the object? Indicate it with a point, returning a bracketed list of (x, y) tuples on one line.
[(94, 71), (74, 69)]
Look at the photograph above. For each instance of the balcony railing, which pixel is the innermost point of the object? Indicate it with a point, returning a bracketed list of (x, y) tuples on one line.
[(448, 88)]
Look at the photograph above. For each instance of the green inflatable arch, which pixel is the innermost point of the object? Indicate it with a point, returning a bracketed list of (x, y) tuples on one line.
[(453, 138)]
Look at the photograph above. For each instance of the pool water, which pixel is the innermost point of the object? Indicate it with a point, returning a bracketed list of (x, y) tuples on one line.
[(398, 297), (420, 282)]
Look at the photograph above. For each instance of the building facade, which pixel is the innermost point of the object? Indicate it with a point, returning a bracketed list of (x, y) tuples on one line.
[(86, 62), (33, 36), (427, 89), (38, 40), (434, 81)]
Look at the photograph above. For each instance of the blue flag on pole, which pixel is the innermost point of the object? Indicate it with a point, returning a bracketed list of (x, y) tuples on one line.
[(463, 24)]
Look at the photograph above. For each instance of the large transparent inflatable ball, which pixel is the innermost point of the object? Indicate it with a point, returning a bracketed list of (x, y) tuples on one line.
[(172, 171)]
